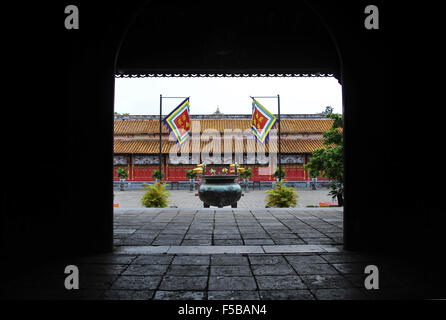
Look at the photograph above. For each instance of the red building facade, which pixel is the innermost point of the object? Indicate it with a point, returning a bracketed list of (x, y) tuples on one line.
[(216, 140)]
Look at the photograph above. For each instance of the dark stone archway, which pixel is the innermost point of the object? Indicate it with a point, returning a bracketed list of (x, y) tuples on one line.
[(74, 91)]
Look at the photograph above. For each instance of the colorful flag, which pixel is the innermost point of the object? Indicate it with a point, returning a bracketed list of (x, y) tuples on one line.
[(178, 121), (262, 121)]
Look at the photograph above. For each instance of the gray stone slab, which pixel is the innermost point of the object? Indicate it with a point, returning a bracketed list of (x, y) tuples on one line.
[(229, 242), (292, 248), (230, 271), (188, 270), (272, 269), (286, 294), (300, 259), (145, 270), (214, 249), (326, 281), (191, 260), (153, 259), (231, 283), (312, 269), (258, 241), (266, 259), (228, 260), (233, 295), (339, 294), (136, 282), (179, 295), (279, 282), (127, 295), (141, 249), (182, 283), (350, 268)]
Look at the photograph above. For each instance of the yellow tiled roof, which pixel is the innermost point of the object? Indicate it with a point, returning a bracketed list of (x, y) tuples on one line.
[(151, 146), (122, 127)]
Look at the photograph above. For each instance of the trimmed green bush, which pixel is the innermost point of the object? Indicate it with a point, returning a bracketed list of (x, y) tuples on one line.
[(281, 196), (155, 196)]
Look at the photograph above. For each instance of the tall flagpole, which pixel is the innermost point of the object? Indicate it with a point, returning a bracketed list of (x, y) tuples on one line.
[(160, 155), (280, 153)]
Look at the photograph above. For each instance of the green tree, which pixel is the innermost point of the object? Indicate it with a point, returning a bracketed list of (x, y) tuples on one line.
[(329, 160)]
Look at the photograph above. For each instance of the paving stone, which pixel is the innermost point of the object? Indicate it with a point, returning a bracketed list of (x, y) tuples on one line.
[(141, 249), (229, 242), (196, 242), (266, 259), (219, 283), (136, 282), (127, 295), (280, 282), (188, 270), (179, 295), (230, 271), (228, 260), (258, 241), (326, 282), (214, 249), (309, 259), (272, 269), (308, 269), (292, 248), (339, 294), (350, 268), (227, 236), (286, 294), (182, 283), (349, 257), (288, 241), (233, 295), (145, 270), (167, 242), (191, 236), (192, 260), (153, 259)]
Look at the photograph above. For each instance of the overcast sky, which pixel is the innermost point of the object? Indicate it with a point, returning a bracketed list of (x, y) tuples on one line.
[(297, 95)]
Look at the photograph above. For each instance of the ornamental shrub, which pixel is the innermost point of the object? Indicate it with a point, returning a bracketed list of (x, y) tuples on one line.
[(155, 196), (281, 196)]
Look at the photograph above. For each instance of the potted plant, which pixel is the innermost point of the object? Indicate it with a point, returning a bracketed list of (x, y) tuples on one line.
[(337, 192), (245, 175), (191, 175), (156, 175), (279, 175), (122, 175)]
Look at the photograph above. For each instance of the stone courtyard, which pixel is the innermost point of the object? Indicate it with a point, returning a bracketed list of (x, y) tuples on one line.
[(221, 254), (251, 199)]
